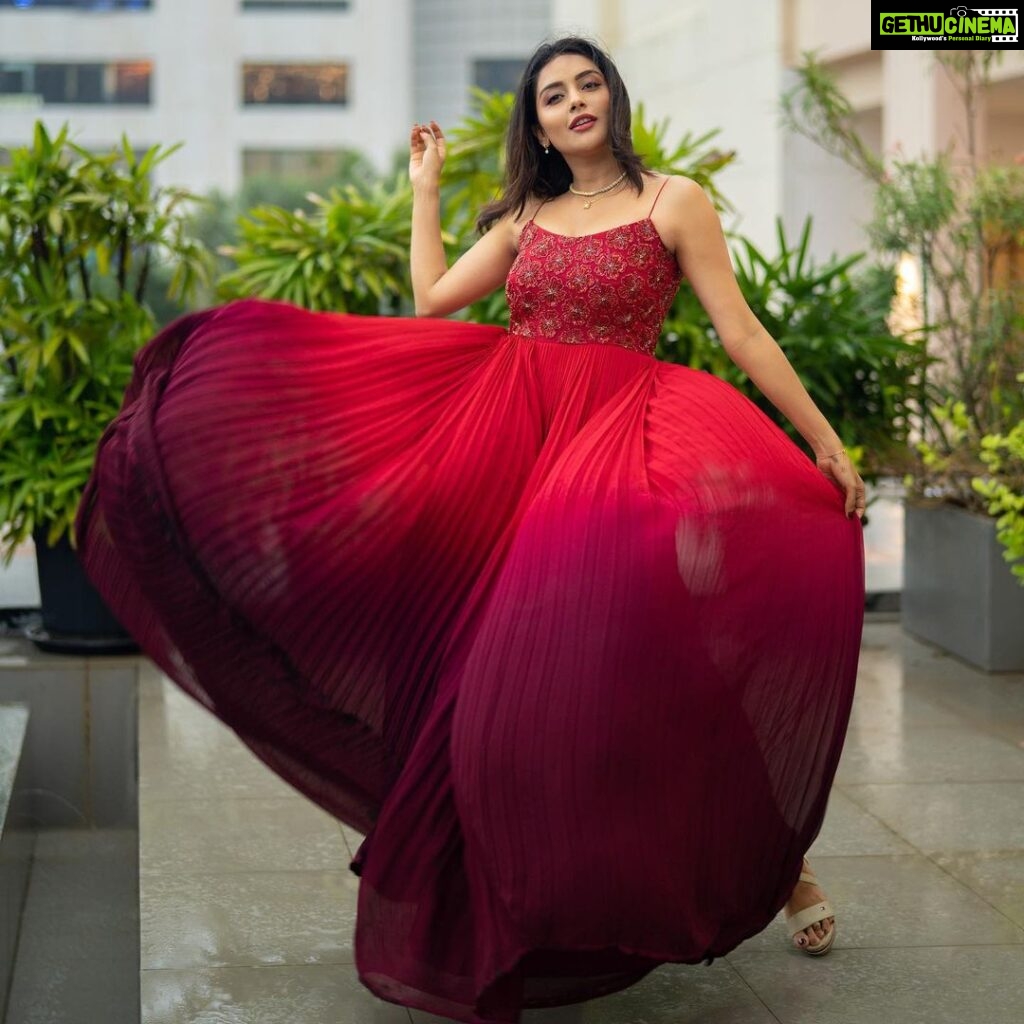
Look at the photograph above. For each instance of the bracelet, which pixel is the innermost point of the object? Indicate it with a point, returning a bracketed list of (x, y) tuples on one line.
[(832, 456)]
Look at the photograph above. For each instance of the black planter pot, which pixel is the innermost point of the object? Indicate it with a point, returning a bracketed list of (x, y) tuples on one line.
[(75, 618)]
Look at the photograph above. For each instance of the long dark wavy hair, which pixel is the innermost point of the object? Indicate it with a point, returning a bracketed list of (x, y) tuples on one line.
[(528, 171)]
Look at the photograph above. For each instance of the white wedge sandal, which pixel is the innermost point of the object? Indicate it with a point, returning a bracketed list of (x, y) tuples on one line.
[(813, 915)]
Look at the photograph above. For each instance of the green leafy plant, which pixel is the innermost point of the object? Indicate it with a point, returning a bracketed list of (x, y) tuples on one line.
[(957, 228), (1002, 489), (215, 219), (959, 221), (952, 468), (350, 255), (474, 168), (79, 235)]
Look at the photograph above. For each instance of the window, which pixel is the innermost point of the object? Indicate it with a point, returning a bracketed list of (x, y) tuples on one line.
[(295, 5), (294, 163), (498, 74), (121, 83), (82, 5), (272, 84)]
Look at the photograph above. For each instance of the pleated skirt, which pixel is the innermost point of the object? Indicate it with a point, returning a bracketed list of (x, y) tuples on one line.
[(569, 633)]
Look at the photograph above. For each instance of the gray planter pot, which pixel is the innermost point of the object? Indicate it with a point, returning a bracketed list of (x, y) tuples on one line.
[(958, 590)]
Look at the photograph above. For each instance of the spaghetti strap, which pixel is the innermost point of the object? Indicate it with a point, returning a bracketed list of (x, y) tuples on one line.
[(540, 206), (657, 197)]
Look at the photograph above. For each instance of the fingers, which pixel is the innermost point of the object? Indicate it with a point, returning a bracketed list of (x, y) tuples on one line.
[(849, 481), (419, 137), (855, 501), (427, 134)]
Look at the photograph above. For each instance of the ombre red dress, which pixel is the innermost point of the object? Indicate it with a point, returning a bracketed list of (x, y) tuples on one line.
[(570, 632)]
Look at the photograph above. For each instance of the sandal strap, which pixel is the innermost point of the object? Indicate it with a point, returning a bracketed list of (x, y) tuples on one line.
[(809, 876), (803, 919)]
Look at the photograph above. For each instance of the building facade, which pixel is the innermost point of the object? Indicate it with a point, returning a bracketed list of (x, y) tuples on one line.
[(458, 44), (247, 85), (280, 86), (250, 86)]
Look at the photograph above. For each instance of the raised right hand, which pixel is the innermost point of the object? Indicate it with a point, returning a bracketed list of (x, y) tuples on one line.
[(427, 150)]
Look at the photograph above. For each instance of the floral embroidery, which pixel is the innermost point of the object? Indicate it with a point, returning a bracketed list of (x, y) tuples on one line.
[(613, 287)]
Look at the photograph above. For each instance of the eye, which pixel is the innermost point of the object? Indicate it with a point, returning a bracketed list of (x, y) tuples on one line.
[(594, 82), (552, 97)]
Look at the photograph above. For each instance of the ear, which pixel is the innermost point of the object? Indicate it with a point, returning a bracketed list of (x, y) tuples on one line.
[(541, 137)]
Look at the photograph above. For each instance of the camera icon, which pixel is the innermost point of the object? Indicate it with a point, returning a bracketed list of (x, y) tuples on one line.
[(960, 12)]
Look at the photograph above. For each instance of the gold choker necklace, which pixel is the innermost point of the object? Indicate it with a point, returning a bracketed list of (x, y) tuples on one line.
[(597, 191)]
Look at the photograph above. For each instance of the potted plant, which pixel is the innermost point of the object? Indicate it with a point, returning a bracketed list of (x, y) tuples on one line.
[(79, 233), (962, 224)]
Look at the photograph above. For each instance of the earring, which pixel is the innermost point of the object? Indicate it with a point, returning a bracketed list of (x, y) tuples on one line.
[(546, 150)]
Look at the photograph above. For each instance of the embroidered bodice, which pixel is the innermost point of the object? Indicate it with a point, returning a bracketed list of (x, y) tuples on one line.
[(612, 287)]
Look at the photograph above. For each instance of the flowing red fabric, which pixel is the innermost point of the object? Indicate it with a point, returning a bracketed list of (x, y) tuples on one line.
[(571, 633)]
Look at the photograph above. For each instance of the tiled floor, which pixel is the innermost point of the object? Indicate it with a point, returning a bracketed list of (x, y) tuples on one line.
[(79, 930), (248, 907)]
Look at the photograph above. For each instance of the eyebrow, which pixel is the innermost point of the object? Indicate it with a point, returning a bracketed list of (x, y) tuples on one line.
[(582, 74)]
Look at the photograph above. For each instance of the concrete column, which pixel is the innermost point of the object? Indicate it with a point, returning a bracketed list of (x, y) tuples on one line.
[(924, 113)]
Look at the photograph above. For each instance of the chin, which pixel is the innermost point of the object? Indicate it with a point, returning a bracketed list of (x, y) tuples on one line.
[(587, 143)]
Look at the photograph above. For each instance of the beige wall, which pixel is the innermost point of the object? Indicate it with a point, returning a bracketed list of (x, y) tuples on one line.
[(819, 185), (837, 30), (686, 63)]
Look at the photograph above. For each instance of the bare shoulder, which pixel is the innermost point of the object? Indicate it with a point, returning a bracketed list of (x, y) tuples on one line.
[(503, 232), (679, 194), (518, 219), (683, 210)]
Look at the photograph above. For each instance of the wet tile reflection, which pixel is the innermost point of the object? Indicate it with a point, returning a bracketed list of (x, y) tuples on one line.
[(248, 907)]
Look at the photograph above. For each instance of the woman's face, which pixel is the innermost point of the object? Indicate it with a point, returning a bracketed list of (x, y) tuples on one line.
[(573, 105)]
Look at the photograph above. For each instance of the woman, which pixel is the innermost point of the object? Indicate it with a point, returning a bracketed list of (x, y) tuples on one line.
[(569, 632)]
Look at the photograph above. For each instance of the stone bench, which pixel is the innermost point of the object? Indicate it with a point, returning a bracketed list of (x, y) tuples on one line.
[(16, 837), (77, 844)]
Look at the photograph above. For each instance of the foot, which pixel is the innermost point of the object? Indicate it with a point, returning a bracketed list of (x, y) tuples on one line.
[(806, 894)]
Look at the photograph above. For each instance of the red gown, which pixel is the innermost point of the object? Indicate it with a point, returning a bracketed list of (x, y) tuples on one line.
[(569, 631)]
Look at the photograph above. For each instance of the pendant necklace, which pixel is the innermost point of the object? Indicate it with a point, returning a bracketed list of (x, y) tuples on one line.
[(589, 196)]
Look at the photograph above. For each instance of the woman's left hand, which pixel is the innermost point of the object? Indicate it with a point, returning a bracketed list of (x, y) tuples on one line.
[(838, 467)]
